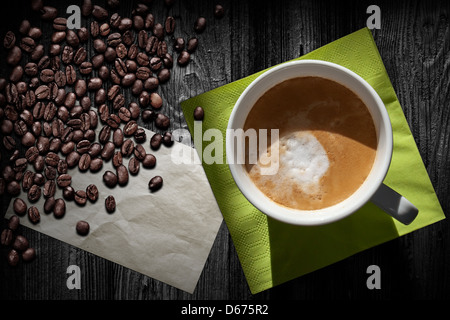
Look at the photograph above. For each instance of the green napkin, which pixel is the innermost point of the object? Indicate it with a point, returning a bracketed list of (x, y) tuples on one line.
[(272, 252)]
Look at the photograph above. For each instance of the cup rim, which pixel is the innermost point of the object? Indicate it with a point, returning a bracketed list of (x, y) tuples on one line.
[(295, 216)]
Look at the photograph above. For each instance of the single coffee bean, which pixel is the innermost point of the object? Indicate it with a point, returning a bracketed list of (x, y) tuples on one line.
[(192, 45), (49, 204), (68, 193), (99, 13), (20, 243), (64, 180), (219, 11), (133, 166), (9, 40), (59, 209), (49, 13), (29, 254), (162, 49), (155, 141), (80, 197), (199, 113), (200, 25), (149, 161), (179, 44), (152, 45), (110, 179), (34, 193), (33, 214), (167, 139), (110, 204), (49, 188), (114, 39), (117, 159), (118, 137), (170, 25), (183, 58), (127, 148), (6, 237), (13, 223), (13, 258), (122, 175), (96, 164), (108, 151), (162, 121), (84, 162), (82, 228), (139, 152), (92, 192), (130, 128), (164, 75), (155, 183), (72, 159), (72, 38)]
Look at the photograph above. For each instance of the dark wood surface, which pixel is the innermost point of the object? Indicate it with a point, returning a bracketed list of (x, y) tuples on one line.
[(414, 43)]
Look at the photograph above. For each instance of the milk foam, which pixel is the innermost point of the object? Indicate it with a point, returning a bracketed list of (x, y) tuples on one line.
[(303, 160)]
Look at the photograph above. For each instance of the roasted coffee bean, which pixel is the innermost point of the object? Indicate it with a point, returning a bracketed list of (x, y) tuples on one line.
[(82, 228), (144, 99), (62, 166), (64, 180), (13, 188), (19, 206), (55, 49), (121, 51), (169, 25), (121, 67), (107, 151), (124, 114), (127, 148), (14, 56), (130, 128), (24, 27), (139, 152), (20, 243), (200, 25), (219, 11), (162, 49), (72, 38), (99, 13), (122, 175), (96, 165), (49, 13), (68, 193), (95, 149), (162, 121), (143, 73), (60, 80), (100, 96), (167, 139), (71, 75), (58, 37), (105, 134), (179, 44), (151, 84), (164, 75), (104, 29), (34, 193), (95, 29), (16, 74), (110, 204), (97, 61), (149, 161), (27, 44), (85, 68), (148, 115), (134, 110), (80, 87), (192, 45), (155, 63), (49, 204), (140, 136), (67, 147), (155, 141), (86, 8), (80, 197), (103, 73), (125, 24), (158, 31), (85, 162), (79, 56), (9, 40), (49, 188), (59, 209), (60, 23), (52, 159), (128, 80), (29, 254), (50, 173), (152, 45), (118, 103), (133, 166), (92, 192), (72, 159), (83, 34), (110, 179), (33, 214), (155, 183), (37, 53), (13, 257), (6, 237), (183, 58), (199, 113), (28, 139), (39, 164), (118, 137), (117, 159), (83, 146), (94, 83), (114, 39), (42, 92), (13, 223)]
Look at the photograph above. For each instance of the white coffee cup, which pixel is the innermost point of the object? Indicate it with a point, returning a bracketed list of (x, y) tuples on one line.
[(372, 189)]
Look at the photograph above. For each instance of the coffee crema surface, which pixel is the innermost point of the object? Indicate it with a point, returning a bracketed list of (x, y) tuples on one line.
[(327, 142)]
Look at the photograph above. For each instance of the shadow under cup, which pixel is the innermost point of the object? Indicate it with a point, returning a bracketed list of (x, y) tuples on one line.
[(338, 74)]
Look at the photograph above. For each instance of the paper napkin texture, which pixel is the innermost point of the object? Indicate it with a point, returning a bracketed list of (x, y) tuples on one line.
[(272, 252)]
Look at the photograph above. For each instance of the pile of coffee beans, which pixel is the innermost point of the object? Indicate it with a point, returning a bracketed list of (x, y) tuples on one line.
[(54, 98), (17, 246)]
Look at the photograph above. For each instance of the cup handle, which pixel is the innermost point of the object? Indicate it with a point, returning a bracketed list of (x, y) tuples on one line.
[(395, 204)]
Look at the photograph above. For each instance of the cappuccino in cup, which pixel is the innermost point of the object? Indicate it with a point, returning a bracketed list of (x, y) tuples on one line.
[(327, 142)]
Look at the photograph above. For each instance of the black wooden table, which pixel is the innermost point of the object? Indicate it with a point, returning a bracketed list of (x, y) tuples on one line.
[(414, 43)]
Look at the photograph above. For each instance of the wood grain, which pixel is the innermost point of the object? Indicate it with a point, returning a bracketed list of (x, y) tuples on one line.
[(414, 43)]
